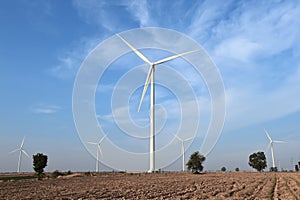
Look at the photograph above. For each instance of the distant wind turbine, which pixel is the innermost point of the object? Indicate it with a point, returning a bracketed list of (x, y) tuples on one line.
[(182, 149), (150, 79), (21, 151), (99, 151), (271, 146)]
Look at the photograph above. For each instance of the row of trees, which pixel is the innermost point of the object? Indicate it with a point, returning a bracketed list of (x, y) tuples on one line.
[(223, 169), (257, 161)]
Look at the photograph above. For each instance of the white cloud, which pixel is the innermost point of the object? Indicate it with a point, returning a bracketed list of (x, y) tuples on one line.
[(45, 109), (70, 60), (66, 66), (139, 9), (100, 13), (253, 43), (207, 16), (233, 33), (265, 28), (237, 48)]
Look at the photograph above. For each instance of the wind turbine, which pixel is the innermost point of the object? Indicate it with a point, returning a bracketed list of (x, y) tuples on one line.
[(150, 78), (182, 148), (271, 145), (98, 151), (21, 150)]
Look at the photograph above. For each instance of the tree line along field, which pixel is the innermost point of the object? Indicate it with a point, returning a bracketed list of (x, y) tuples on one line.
[(166, 185)]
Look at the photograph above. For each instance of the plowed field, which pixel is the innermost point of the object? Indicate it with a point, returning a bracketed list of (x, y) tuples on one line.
[(229, 185)]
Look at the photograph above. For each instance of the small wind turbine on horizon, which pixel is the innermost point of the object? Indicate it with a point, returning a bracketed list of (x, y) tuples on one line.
[(271, 146), (182, 148), (150, 79), (99, 151), (21, 151)]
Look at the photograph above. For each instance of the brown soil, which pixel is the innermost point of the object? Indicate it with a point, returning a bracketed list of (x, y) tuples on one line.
[(229, 185)]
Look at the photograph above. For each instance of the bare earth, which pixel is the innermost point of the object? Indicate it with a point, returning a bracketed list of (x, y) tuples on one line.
[(229, 185)]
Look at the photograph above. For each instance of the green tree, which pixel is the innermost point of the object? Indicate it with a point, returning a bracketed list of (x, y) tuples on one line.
[(195, 162), (39, 163), (296, 168), (237, 169), (273, 169), (258, 161), (223, 169)]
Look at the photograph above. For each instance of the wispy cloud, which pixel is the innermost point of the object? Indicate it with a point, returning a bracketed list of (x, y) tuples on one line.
[(251, 106), (139, 9), (70, 60), (231, 48), (45, 109), (255, 47), (101, 13), (243, 38), (264, 28)]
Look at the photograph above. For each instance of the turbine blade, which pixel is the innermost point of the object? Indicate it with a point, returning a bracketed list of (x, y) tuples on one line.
[(139, 54), (100, 151), (22, 142), (92, 143), (268, 135), (102, 139), (145, 86), (25, 153), (278, 141), (179, 138), (13, 151), (189, 139), (174, 56), (269, 146)]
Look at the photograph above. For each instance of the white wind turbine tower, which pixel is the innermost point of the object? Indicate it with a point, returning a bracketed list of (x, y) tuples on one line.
[(150, 78), (182, 148), (271, 145), (21, 151), (99, 151)]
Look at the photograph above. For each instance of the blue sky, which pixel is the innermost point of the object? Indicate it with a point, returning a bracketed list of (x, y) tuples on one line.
[(254, 44)]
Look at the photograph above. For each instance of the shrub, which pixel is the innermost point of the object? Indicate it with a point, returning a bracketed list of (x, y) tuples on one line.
[(88, 173), (56, 173)]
